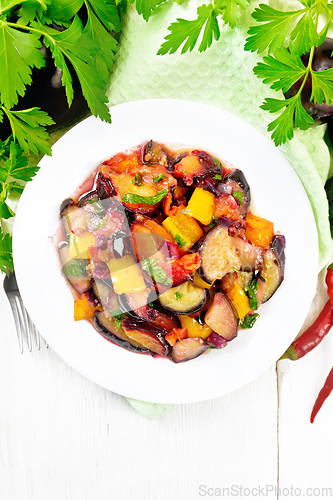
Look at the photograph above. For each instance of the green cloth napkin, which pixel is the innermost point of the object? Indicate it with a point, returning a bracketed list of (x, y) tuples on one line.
[(222, 76)]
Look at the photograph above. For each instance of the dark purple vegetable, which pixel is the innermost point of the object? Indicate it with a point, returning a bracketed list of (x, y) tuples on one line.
[(154, 153), (90, 197), (104, 187), (273, 267), (218, 254), (108, 298), (147, 335), (240, 190), (107, 327), (184, 299), (188, 348), (66, 207), (250, 256), (222, 318), (136, 304), (195, 167), (75, 270), (216, 340)]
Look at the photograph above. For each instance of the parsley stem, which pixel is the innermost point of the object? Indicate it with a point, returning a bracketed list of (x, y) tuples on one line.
[(308, 70)]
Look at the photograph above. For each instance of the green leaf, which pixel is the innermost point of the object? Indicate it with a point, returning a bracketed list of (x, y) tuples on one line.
[(252, 294), (118, 323), (322, 86), (187, 32), (273, 33), (283, 69), (180, 241), (107, 13), (232, 10), (6, 257), (239, 195), (17, 188), (30, 9), (305, 33), (104, 59), (249, 321), (146, 7), (80, 49), (17, 165), (19, 52), (149, 200), (63, 10), (28, 129), (75, 268), (158, 178), (283, 125), (178, 295), (154, 270), (5, 211)]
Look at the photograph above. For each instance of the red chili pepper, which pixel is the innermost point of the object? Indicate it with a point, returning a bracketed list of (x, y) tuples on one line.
[(312, 336), (323, 395), (329, 282)]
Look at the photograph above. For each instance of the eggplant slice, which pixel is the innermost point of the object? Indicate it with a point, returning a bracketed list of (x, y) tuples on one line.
[(184, 299), (240, 190), (147, 335), (250, 256), (188, 348), (222, 318), (218, 254), (106, 327), (273, 267)]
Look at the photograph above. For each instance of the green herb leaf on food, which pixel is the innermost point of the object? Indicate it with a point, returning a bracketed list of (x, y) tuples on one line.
[(75, 267), (118, 323), (158, 178), (178, 295), (239, 195), (154, 270), (180, 241), (249, 320), (149, 200), (252, 294)]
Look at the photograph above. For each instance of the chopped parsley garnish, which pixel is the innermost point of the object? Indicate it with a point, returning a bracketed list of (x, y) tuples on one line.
[(137, 180), (154, 270), (118, 323), (117, 314), (158, 178), (151, 304), (179, 240), (97, 206), (236, 270), (149, 200), (218, 177), (178, 295), (239, 195), (217, 162), (249, 320), (252, 295)]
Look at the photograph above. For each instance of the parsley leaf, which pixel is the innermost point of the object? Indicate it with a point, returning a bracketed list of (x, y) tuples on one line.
[(146, 7), (158, 178), (28, 129), (178, 295), (179, 240), (149, 200), (249, 320), (118, 323), (154, 270), (239, 195), (75, 267), (20, 52), (252, 294), (6, 259), (17, 165), (218, 177)]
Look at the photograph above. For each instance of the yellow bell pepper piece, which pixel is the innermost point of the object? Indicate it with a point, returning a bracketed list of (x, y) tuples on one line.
[(200, 283), (83, 310), (201, 205), (183, 228), (78, 245), (194, 329), (240, 300), (126, 275), (259, 231)]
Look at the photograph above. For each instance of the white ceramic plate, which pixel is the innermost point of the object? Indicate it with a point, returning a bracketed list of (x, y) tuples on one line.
[(277, 195)]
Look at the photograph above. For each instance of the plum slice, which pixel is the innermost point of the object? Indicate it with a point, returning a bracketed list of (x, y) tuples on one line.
[(75, 270), (184, 299), (189, 348), (106, 326), (147, 335), (218, 254), (273, 267), (240, 190), (222, 318)]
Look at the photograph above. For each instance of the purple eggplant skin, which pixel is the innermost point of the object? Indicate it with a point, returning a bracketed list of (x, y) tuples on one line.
[(193, 299), (104, 187), (65, 207), (222, 318), (147, 331), (238, 182), (90, 197), (216, 340), (250, 256), (187, 349), (107, 329), (154, 153), (273, 267)]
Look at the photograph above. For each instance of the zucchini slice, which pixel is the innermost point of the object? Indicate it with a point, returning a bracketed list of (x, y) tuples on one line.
[(184, 299)]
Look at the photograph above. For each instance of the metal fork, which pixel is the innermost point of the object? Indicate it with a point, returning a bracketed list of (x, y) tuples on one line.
[(24, 325)]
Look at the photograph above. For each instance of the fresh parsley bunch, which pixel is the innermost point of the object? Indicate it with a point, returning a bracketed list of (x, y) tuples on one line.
[(86, 47), (285, 36)]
